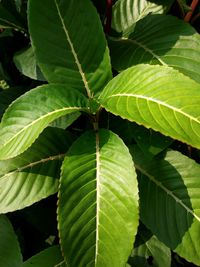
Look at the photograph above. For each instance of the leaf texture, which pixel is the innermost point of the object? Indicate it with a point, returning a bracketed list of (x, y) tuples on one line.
[(127, 13), (97, 197), (159, 39), (10, 255), (169, 201), (70, 45), (159, 98), (33, 175), (27, 117)]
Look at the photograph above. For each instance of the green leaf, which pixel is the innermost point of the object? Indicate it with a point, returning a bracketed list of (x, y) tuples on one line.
[(65, 121), (27, 116), (10, 255), (157, 97), (149, 248), (169, 201), (33, 175), (26, 63), (127, 13), (72, 53), (97, 209), (149, 141), (8, 19), (50, 257), (159, 39)]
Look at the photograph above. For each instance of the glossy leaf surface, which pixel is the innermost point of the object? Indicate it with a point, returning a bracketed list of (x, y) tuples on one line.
[(156, 97), (10, 255), (159, 39), (70, 45), (26, 118), (169, 201), (97, 197), (34, 174)]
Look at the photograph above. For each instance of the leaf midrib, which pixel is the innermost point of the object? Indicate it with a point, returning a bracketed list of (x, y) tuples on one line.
[(167, 191), (32, 164), (73, 51), (135, 42), (39, 119), (159, 102)]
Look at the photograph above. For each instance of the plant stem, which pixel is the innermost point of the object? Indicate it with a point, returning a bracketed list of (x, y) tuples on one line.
[(189, 14), (108, 16)]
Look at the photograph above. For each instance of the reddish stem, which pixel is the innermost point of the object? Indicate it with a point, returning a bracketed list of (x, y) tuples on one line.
[(189, 14), (108, 16)]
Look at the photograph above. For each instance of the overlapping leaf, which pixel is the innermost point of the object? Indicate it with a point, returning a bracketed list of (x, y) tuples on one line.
[(10, 255), (127, 13), (50, 257), (34, 174), (26, 118), (159, 39), (159, 98), (26, 63), (70, 45), (97, 197), (149, 251), (170, 201)]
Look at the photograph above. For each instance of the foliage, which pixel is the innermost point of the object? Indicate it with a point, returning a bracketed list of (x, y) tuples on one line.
[(110, 122)]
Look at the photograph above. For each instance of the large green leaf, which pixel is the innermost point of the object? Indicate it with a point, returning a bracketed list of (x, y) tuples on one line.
[(26, 63), (50, 257), (27, 116), (157, 97), (97, 209), (69, 44), (159, 39), (34, 174), (10, 255), (149, 251), (170, 201), (127, 13)]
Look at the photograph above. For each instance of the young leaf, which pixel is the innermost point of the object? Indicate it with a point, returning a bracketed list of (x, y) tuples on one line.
[(97, 209), (159, 39), (149, 251), (10, 255), (157, 97), (70, 45), (50, 257), (34, 174), (127, 13), (26, 63), (169, 201), (27, 116)]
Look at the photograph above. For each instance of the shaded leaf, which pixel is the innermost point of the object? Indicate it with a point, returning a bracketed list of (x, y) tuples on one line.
[(65, 121), (50, 257), (72, 53), (34, 174), (26, 63), (169, 201), (149, 251), (159, 98), (149, 141), (26, 118), (10, 255), (97, 197), (159, 39)]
